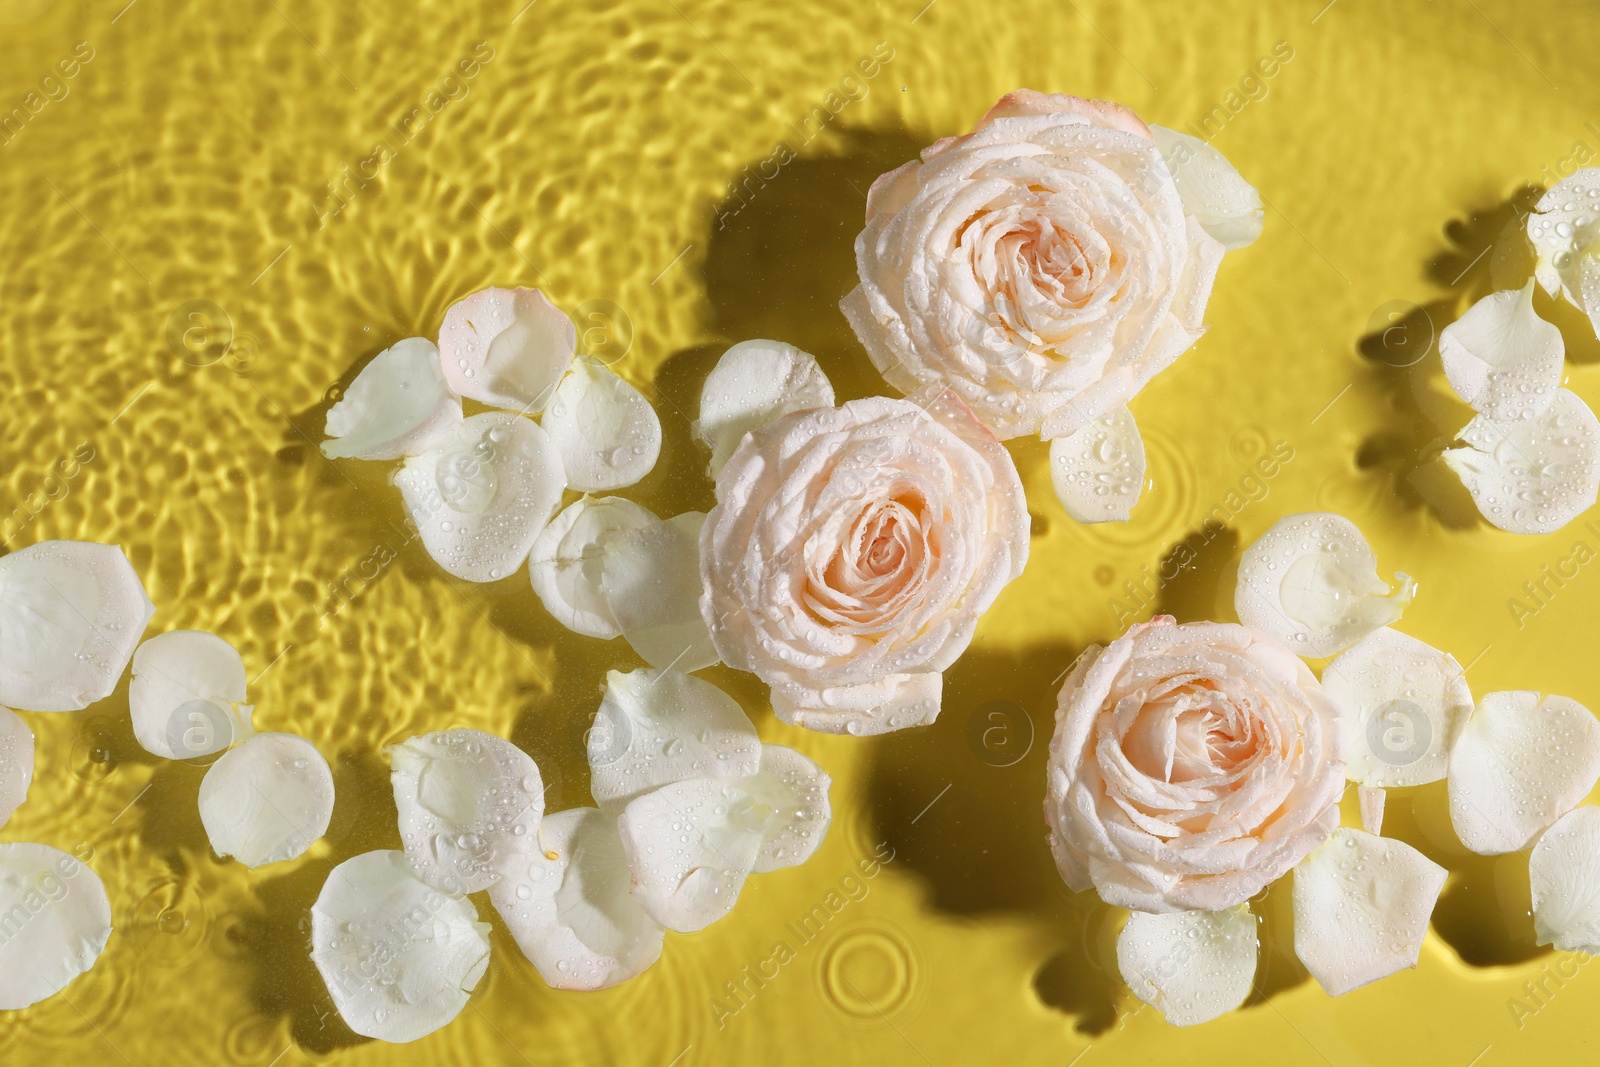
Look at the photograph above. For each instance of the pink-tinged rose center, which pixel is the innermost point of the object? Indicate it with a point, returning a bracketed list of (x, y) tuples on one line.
[(876, 569), (1195, 735)]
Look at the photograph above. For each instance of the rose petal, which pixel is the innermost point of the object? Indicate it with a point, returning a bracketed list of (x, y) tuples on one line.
[(894, 702), (464, 797), (1311, 581), (267, 800), (1564, 877), (651, 581), (606, 431), (1361, 908), (187, 695), (690, 847), (1192, 966), (57, 920), (1518, 765), (399, 958), (16, 762), (506, 347), (71, 613), (796, 790), (481, 494), (1563, 229), (568, 559), (1225, 205), (573, 915), (755, 383), (1401, 702), (1502, 358), (1532, 475), (1372, 801), (658, 727), (1098, 471), (397, 405)]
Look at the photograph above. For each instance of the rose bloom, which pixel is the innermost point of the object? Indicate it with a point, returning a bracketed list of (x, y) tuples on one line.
[(1042, 266), (851, 552), (1192, 765)]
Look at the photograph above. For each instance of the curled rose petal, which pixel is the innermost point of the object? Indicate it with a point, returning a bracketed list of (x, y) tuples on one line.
[(71, 613), (1372, 801), (1361, 908), (16, 762), (569, 906), (1226, 206), (1564, 877), (1402, 702), (1191, 966), (754, 384), (1534, 475), (187, 695), (267, 800), (481, 494), (652, 587), (796, 791), (658, 727), (1502, 358), (1312, 582), (1098, 471), (568, 561), (398, 405), (690, 847), (399, 957), (1519, 764), (57, 920), (507, 348), (1564, 228), (606, 431)]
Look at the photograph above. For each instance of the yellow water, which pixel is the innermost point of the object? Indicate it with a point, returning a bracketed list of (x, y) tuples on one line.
[(269, 159)]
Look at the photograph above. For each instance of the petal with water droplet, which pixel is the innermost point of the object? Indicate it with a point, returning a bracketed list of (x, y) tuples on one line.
[(1564, 227), (755, 383), (651, 581), (396, 406), (690, 847), (796, 791), (606, 431), (267, 800), (56, 920), (400, 958), (568, 560), (1564, 877), (570, 908), (1534, 475), (16, 762), (1226, 206), (1311, 581), (1361, 908), (481, 495), (1191, 966), (71, 613), (1518, 765), (1372, 800), (507, 348), (1098, 469), (187, 694), (1502, 358)]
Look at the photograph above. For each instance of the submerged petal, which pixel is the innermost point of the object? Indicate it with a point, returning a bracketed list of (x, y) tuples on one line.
[(71, 613), (1226, 206), (267, 800), (568, 560), (1532, 475), (651, 582), (1311, 581), (16, 762), (1098, 470), (1192, 966), (1564, 877), (753, 384), (1502, 358), (399, 957), (506, 347), (57, 920), (187, 695), (690, 847), (606, 431), (796, 791), (396, 406)]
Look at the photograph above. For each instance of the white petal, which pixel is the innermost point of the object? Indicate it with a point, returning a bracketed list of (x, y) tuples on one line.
[(465, 797), (1098, 469), (1502, 358), (690, 847), (658, 727), (1564, 876), (396, 406), (756, 383), (1226, 206), (1361, 908), (506, 347), (796, 791), (16, 762), (481, 495), (1312, 582), (187, 694), (399, 957), (606, 431), (651, 581), (71, 613), (1372, 800), (568, 559), (1401, 702), (1192, 966), (56, 918), (1564, 228), (574, 915), (1519, 764), (267, 800), (1532, 475)]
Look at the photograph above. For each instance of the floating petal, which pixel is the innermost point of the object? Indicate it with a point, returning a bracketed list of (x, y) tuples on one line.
[(16, 762), (1227, 207), (690, 847), (606, 431), (796, 791), (397, 406), (400, 958), (187, 694), (507, 348), (1534, 475), (1372, 801), (267, 800), (1564, 876), (71, 613), (481, 495), (1191, 966), (1312, 582), (1361, 908), (1098, 470), (1502, 358), (56, 919), (755, 383), (1519, 764), (651, 581), (1564, 228), (568, 559)]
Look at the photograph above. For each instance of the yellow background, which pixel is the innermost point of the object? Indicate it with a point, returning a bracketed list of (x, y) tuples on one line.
[(593, 155)]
